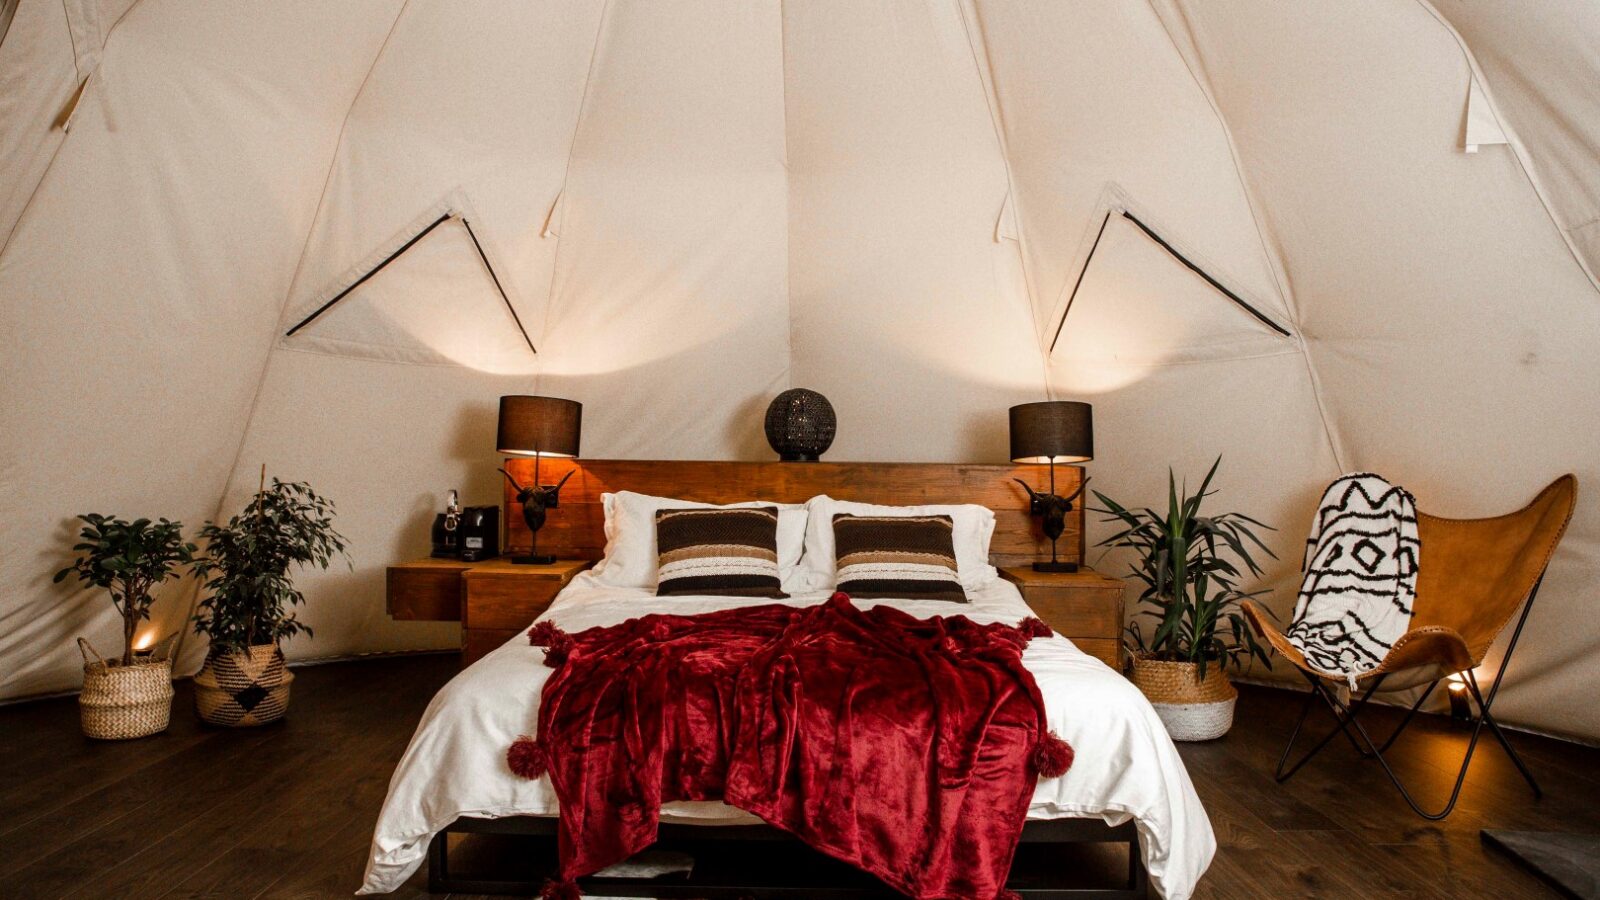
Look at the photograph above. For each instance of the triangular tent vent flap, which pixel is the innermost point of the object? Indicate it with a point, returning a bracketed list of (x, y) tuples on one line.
[(1139, 305), (436, 303)]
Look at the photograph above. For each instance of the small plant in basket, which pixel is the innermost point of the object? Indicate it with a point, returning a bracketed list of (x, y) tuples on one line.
[(247, 567), (1190, 566), (130, 697), (129, 560)]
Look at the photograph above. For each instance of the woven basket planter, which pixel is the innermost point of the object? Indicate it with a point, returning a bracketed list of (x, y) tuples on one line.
[(119, 702), (1191, 708), (237, 689)]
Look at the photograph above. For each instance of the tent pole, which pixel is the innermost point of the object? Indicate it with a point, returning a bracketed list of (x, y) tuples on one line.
[(497, 286), (363, 279)]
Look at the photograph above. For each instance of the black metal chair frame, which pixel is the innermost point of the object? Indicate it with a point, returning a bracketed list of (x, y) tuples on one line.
[(1345, 717)]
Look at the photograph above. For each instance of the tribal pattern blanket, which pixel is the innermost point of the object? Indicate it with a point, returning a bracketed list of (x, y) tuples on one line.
[(907, 747), (1360, 576)]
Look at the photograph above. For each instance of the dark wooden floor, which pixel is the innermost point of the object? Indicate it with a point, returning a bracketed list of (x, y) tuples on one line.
[(286, 811)]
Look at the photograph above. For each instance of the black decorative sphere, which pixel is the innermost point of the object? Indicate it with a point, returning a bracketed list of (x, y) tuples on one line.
[(800, 425)]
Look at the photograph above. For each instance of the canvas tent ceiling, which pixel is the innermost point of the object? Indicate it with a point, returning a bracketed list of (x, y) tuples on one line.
[(694, 205)]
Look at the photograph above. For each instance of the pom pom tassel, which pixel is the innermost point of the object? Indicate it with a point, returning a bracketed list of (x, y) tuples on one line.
[(560, 890), (557, 644), (1052, 756), (545, 634), (555, 655), (1007, 894), (527, 757), (1034, 627)]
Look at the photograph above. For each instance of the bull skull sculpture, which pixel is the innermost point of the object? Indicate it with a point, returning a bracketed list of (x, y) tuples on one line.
[(1053, 508), (536, 500)]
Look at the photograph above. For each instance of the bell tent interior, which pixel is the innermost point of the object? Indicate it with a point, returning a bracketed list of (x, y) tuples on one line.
[(320, 242)]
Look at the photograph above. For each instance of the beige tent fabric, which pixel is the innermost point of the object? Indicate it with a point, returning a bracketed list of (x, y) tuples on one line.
[(1532, 55), (694, 205), (1467, 378), (141, 287)]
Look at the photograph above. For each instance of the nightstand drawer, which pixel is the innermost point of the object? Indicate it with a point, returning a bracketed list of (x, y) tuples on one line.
[(1078, 613), (478, 642), (1084, 606), (1108, 651), (500, 601), (427, 591)]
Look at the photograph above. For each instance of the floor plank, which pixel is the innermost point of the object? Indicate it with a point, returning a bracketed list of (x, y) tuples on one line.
[(287, 811)]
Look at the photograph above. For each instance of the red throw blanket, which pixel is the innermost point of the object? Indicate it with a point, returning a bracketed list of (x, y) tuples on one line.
[(906, 747)]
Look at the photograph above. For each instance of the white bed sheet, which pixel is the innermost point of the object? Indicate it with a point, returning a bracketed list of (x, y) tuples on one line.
[(1125, 767)]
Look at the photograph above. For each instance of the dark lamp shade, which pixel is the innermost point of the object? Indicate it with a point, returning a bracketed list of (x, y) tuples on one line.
[(548, 426), (1052, 431)]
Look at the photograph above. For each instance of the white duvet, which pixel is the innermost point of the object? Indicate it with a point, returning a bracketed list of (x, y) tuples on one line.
[(1125, 766)]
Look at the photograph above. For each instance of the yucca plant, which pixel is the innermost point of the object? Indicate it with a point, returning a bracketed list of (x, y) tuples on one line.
[(1191, 586)]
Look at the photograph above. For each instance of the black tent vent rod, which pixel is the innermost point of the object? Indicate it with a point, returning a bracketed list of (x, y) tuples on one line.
[(1259, 316), (396, 255)]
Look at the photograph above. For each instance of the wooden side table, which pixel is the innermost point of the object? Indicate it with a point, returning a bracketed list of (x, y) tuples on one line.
[(493, 599), (1083, 606)]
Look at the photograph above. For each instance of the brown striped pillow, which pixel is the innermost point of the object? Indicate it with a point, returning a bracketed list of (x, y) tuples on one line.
[(896, 556), (725, 552)]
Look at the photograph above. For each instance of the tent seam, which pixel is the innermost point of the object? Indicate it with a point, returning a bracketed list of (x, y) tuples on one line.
[(566, 176), (991, 100), (1514, 141), (72, 39), (1279, 272), (266, 362), (788, 196)]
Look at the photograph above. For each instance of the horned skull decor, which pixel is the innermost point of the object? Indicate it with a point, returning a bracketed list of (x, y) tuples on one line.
[(536, 427), (1053, 508), (536, 500), (1046, 433)]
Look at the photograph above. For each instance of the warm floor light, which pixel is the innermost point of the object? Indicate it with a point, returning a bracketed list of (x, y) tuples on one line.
[(1460, 707)]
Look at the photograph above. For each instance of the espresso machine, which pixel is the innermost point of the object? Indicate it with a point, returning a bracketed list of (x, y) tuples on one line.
[(470, 533)]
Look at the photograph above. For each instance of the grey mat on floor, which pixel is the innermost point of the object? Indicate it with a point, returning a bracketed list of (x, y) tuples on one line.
[(1570, 862)]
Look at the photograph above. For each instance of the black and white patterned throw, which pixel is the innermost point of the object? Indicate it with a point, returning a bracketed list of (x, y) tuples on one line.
[(1360, 576)]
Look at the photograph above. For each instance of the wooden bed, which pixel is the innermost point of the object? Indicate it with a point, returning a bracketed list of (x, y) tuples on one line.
[(740, 861), (576, 529)]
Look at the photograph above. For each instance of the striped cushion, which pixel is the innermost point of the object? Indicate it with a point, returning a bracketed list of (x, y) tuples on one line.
[(728, 552), (897, 556)]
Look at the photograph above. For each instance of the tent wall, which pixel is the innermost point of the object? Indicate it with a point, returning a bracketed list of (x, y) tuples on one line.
[(1470, 378), (141, 286), (694, 205)]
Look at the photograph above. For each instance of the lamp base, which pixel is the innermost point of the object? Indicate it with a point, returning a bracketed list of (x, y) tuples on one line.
[(533, 560), (1059, 567)]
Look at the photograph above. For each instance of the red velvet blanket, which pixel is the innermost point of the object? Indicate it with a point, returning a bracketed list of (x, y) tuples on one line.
[(906, 747)]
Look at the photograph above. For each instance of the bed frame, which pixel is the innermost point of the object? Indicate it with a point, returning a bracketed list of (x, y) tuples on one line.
[(727, 857), (576, 528), (735, 862)]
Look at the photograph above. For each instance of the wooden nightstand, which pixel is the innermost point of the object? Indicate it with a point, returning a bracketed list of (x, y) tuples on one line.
[(1083, 606), (493, 599)]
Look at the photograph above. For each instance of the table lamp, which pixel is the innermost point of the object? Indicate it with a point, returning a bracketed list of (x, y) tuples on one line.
[(538, 426), (1053, 431)]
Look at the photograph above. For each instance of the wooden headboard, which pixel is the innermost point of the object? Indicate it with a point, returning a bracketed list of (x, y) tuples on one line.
[(576, 529)]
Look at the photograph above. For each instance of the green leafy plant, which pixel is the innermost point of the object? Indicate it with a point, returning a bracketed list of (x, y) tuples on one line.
[(1190, 583), (247, 561), (128, 559)]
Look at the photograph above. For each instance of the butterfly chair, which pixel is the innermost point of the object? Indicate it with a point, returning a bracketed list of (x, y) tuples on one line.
[(1473, 576)]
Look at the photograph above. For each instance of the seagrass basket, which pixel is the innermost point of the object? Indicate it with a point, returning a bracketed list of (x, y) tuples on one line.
[(236, 689), (1192, 709), (120, 702)]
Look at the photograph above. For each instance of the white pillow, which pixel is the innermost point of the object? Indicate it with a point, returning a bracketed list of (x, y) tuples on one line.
[(973, 527), (631, 554)]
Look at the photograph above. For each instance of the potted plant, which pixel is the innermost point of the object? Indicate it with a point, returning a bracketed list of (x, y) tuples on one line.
[(132, 696), (250, 596), (1191, 588)]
